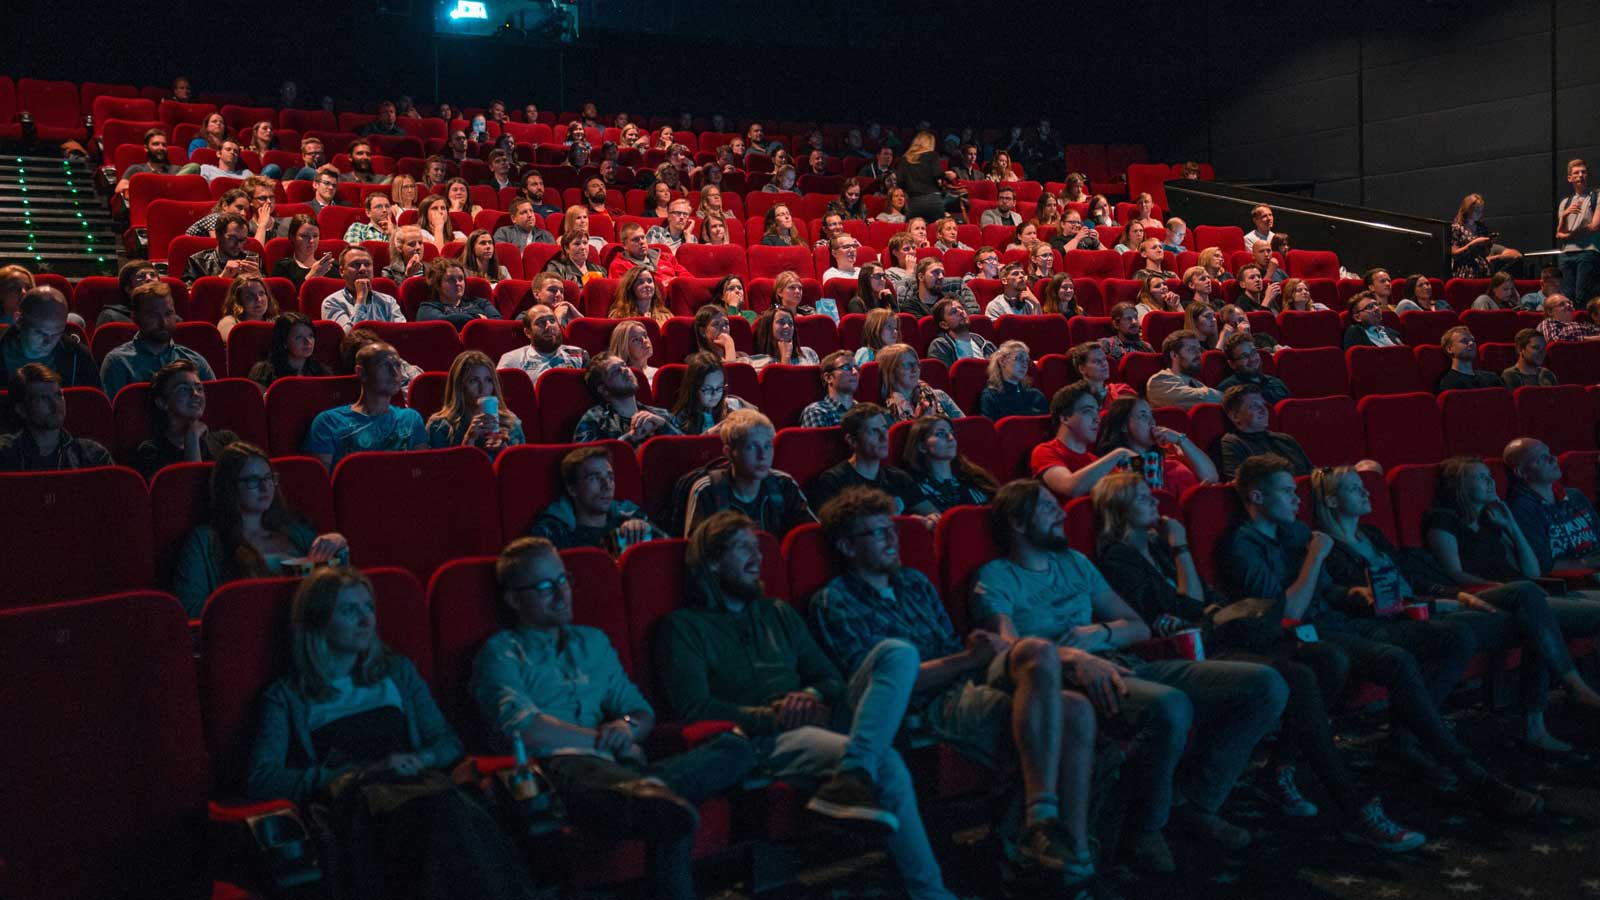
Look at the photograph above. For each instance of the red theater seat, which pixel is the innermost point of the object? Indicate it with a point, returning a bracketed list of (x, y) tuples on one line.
[(805, 453), (292, 403), (1402, 428), (1562, 416), (1477, 422), (56, 561), (452, 491), (667, 458), (1329, 429), (1383, 370)]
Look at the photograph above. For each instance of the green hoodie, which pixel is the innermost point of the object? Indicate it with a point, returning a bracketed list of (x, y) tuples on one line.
[(717, 664)]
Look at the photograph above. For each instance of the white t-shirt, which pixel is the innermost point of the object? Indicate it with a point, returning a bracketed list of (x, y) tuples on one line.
[(836, 272)]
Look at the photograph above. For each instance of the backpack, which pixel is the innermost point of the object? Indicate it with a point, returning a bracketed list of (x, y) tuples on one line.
[(677, 508)]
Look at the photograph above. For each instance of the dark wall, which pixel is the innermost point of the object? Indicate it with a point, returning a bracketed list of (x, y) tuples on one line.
[(896, 61), (1410, 106)]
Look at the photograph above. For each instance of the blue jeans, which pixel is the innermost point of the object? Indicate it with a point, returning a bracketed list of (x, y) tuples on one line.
[(1580, 275), (1230, 704), (879, 690)]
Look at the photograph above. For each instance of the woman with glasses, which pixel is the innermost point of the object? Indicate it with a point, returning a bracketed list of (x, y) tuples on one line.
[(1010, 391), (178, 400), (250, 531), (903, 392), (703, 398), (465, 419), (874, 290)]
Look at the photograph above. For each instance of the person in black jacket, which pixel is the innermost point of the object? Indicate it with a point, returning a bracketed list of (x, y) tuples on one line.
[(40, 336), (1366, 324), (917, 173), (1145, 558)]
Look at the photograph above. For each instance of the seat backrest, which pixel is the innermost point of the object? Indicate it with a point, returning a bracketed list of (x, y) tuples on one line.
[(787, 390), (1402, 428), (1313, 372), (68, 512), (668, 458), (1310, 328), (1382, 370), (1562, 416), (1016, 436), (1229, 238), (431, 346), (89, 415), (1575, 362), (806, 452), (963, 542), (1411, 492), (1423, 327), (1209, 512), (563, 399), (1136, 368), (1477, 422), (293, 402), (713, 261), (450, 493), (529, 479), (106, 769), (767, 262), (1329, 428), (245, 636), (1042, 334)]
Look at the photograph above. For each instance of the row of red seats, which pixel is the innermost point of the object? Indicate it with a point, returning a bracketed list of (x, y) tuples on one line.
[(1399, 430)]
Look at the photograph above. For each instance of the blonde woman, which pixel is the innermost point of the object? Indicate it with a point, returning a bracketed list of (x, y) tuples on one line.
[(630, 342), (1213, 261), (403, 192), (467, 418), (882, 329), (406, 253), (917, 173), (248, 300), (1010, 391), (894, 208), (904, 394)]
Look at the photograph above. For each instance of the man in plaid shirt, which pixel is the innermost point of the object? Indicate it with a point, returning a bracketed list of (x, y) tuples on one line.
[(1560, 322), (840, 375), (966, 690)]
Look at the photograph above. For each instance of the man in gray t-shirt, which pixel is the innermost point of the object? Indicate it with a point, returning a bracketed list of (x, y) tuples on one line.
[(1578, 234)]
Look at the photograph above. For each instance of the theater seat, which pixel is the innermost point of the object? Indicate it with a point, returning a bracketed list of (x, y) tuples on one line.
[(59, 557), (1209, 512), (1043, 334), (669, 457), (963, 542), (1383, 370), (1421, 328), (1562, 416), (293, 402), (805, 453), (1136, 368), (432, 346), (1477, 422), (787, 390), (1310, 328), (1402, 428), (106, 768), (1015, 437), (449, 493), (529, 479), (1411, 492), (1329, 429), (713, 261), (563, 399)]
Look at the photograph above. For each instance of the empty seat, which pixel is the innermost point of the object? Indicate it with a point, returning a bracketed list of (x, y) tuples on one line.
[(1043, 334), (1230, 238), (1015, 438), (1136, 368), (805, 453), (1402, 428), (106, 767), (1329, 428), (1411, 492), (787, 390), (431, 346), (1562, 416), (768, 262), (449, 493), (1310, 328), (1477, 422), (1383, 370), (1574, 362), (713, 261), (1209, 512), (1420, 328), (963, 542), (1313, 264), (54, 551), (1499, 325)]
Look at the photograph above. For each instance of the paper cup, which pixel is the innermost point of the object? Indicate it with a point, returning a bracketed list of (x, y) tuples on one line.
[(1417, 611), (1189, 644)]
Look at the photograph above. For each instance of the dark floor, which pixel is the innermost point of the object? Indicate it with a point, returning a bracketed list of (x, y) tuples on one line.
[(1467, 855)]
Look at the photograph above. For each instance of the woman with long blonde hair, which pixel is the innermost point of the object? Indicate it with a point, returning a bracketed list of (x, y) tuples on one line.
[(465, 419), (917, 172)]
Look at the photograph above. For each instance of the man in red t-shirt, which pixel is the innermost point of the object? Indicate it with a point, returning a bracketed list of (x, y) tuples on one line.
[(1066, 463)]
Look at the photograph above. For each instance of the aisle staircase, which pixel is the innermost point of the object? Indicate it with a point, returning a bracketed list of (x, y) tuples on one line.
[(51, 220)]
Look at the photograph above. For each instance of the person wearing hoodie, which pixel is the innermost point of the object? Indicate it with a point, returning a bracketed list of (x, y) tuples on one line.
[(589, 514)]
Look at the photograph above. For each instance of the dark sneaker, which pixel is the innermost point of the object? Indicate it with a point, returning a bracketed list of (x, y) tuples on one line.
[(1213, 828), (1278, 788), (652, 809), (852, 799), (1151, 854), (1375, 829), (1404, 749), (1512, 802)]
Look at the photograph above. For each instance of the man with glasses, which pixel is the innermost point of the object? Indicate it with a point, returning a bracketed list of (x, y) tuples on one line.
[(840, 376), (1366, 324), (994, 700), (544, 350), (378, 224), (589, 513), (636, 251), (617, 413), (1067, 463), (1074, 235), (1245, 361), (559, 690), (985, 264), (677, 231), (1004, 212), (748, 483), (733, 653), (313, 156), (357, 301), (844, 248), (1561, 324), (524, 228), (325, 190), (373, 422)]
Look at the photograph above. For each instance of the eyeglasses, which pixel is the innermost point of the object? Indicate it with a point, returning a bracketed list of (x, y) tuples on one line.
[(546, 586), (257, 482), (842, 367), (878, 534)]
